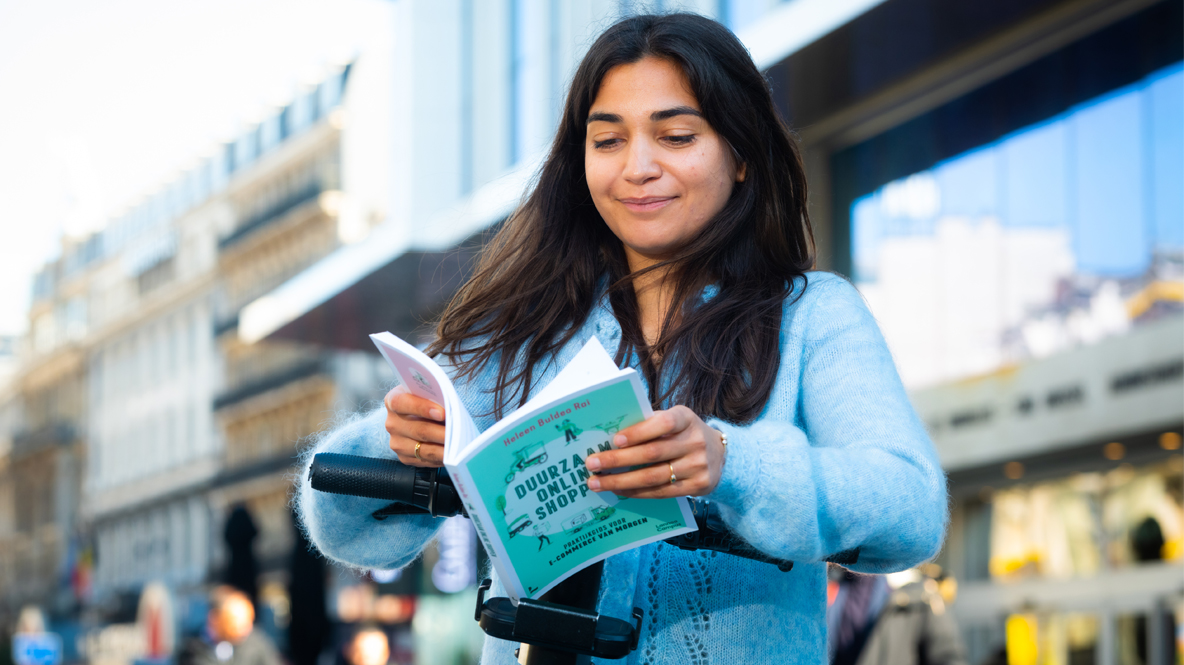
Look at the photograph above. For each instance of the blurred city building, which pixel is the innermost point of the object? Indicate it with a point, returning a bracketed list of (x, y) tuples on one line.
[(1002, 180), (42, 451), (131, 426), (292, 206), (168, 449), (1013, 209)]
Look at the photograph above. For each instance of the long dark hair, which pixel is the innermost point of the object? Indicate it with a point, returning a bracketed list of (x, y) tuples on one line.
[(537, 279)]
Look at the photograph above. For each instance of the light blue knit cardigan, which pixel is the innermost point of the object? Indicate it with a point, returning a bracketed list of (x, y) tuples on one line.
[(838, 460)]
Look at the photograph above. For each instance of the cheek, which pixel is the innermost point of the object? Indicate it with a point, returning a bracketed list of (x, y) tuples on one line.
[(596, 177)]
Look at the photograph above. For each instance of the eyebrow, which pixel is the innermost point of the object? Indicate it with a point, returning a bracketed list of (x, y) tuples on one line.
[(656, 116)]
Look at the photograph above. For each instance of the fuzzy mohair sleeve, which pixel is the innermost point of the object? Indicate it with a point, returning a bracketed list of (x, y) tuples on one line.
[(342, 527), (839, 463)]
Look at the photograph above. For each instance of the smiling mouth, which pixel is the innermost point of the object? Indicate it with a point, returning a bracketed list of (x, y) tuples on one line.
[(648, 203)]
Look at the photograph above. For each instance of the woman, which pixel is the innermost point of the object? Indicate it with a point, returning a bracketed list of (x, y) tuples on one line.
[(670, 222)]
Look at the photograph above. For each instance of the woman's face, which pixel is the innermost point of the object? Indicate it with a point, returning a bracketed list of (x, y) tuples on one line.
[(656, 170)]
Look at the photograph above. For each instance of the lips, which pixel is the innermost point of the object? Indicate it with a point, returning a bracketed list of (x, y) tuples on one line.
[(647, 204)]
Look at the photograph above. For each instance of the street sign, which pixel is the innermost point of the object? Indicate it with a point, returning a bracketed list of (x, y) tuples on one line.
[(36, 648)]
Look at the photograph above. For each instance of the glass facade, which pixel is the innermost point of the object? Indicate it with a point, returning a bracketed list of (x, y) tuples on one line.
[(1058, 234)]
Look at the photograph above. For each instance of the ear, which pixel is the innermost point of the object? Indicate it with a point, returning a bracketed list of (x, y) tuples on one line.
[(741, 172)]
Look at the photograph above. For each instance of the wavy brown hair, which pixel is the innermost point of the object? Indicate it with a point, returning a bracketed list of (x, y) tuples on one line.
[(540, 276)]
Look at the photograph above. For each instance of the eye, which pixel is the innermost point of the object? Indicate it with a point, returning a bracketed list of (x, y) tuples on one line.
[(607, 143), (679, 139)]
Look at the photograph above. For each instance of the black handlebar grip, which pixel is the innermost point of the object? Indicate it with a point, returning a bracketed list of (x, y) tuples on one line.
[(368, 477)]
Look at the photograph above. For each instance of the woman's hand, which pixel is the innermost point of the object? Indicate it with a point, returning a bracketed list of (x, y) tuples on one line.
[(673, 439), (412, 421)]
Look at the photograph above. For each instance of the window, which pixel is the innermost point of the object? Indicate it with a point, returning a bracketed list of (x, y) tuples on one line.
[(156, 276)]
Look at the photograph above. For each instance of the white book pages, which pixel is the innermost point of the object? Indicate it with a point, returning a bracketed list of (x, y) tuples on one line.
[(421, 376)]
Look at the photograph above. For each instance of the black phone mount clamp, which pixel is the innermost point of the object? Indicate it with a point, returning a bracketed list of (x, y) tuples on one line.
[(557, 627)]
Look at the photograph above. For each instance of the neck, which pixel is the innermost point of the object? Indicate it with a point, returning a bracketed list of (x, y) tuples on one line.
[(654, 296)]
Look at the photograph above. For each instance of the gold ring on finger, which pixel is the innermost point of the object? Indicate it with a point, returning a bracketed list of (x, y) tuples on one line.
[(417, 445), (673, 478)]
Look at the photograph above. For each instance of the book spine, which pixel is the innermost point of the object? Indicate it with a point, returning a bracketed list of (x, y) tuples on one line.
[(483, 524)]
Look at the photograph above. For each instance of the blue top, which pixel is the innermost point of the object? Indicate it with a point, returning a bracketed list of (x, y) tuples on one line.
[(838, 460)]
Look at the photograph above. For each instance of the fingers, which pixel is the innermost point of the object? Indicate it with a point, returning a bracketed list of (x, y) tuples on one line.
[(414, 428), (653, 481), (657, 438), (405, 447), (637, 455), (662, 423), (404, 403), (675, 439), (414, 421), (430, 454)]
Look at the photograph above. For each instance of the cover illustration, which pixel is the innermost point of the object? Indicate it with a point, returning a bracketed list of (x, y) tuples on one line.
[(533, 483)]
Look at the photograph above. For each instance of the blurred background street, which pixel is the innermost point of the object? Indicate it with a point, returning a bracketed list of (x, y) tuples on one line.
[(207, 207)]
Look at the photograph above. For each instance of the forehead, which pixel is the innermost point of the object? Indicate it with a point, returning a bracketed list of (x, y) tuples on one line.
[(642, 87)]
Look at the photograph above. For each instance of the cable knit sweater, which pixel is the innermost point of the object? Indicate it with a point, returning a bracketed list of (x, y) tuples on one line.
[(837, 462)]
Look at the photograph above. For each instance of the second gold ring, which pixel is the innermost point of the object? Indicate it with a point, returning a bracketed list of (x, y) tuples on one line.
[(417, 445), (673, 478)]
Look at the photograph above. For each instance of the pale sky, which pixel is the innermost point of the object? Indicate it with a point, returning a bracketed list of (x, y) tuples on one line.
[(103, 101)]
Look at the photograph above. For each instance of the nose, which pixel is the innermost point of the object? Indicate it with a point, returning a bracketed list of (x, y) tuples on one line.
[(641, 166)]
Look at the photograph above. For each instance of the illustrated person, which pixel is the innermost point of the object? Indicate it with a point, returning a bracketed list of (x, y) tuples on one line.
[(569, 430), (541, 534), (669, 221)]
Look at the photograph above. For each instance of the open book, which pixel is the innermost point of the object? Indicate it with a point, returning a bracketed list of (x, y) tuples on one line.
[(523, 480)]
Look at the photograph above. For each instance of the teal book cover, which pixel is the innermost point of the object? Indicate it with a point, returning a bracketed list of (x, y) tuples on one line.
[(532, 487), (523, 481)]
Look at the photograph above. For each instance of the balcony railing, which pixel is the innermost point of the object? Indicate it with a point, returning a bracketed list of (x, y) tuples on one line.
[(58, 433), (270, 382), (272, 214)]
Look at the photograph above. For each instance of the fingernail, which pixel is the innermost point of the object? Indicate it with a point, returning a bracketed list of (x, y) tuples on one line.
[(593, 464), (594, 484), (436, 414), (619, 440)]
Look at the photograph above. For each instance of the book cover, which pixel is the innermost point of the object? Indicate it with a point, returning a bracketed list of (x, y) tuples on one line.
[(524, 483)]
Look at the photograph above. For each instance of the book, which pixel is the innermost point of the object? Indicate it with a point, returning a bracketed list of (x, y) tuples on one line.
[(523, 480)]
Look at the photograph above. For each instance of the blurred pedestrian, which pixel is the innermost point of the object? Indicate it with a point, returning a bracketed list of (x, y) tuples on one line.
[(242, 571), (368, 646), (872, 624), (308, 625), (229, 636)]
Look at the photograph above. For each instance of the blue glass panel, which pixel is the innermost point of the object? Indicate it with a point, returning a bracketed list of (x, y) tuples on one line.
[(1166, 147), (867, 231), (739, 14), (969, 184), (1111, 236), (1035, 189)]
